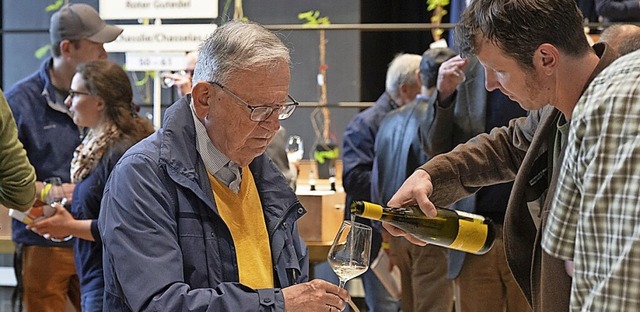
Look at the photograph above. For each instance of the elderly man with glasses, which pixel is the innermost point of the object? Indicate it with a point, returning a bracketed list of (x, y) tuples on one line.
[(196, 217)]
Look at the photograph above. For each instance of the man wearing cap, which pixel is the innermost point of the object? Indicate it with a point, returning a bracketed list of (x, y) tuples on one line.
[(47, 131)]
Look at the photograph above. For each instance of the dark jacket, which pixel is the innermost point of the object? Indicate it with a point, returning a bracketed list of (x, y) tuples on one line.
[(398, 149), (519, 152), (86, 206), (48, 134), (166, 248), (619, 11), (357, 158)]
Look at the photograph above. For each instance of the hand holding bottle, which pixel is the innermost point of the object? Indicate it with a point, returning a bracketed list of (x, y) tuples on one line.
[(453, 229), (414, 191)]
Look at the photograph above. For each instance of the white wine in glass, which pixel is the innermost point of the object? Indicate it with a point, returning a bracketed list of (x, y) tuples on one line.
[(349, 253)]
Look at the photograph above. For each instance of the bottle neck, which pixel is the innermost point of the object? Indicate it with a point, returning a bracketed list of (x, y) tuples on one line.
[(372, 211)]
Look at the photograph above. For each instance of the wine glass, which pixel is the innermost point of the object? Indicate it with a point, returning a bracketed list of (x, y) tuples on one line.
[(295, 152), (349, 253), (54, 195), (294, 149), (53, 191)]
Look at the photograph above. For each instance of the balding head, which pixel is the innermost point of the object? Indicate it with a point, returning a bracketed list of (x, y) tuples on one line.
[(619, 37)]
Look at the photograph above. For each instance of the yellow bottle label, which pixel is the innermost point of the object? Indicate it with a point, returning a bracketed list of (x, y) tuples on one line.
[(471, 236), (372, 211), (44, 192)]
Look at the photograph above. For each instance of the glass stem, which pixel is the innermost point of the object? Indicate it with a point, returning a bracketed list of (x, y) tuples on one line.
[(342, 283)]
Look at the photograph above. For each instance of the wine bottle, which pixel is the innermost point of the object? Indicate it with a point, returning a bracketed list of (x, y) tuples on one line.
[(312, 180), (449, 228)]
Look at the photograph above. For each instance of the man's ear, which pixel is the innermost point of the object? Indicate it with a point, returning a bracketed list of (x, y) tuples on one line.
[(65, 47), (546, 57), (201, 92)]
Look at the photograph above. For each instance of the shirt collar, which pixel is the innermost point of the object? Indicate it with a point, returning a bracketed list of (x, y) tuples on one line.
[(213, 159)]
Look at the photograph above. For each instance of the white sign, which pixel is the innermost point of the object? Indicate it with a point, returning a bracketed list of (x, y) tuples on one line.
[(137, 61), (135, 9), (160, 38)]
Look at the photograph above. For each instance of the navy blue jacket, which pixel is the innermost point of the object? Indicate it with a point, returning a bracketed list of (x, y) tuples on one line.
[(398, 149), (357, 158), (87, 196), (166, 248), (48, 134)]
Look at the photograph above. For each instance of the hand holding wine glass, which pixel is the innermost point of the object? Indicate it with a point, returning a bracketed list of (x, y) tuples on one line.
[(53, 195), (350, 252)]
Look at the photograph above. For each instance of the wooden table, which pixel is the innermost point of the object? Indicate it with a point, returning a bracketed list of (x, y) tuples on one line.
[(318, 227), (6, 244), (318, 251)]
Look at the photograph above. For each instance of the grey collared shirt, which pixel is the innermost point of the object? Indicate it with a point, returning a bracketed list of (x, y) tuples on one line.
[(217, 164)]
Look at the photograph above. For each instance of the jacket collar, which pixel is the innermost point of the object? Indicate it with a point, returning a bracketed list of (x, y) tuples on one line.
[(184, 166), (607, 55)]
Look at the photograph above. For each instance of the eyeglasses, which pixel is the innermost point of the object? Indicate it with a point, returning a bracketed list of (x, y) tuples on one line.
[(263, 112), (74, 93)]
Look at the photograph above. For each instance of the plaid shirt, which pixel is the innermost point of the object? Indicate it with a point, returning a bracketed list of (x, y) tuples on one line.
[(595, 215)]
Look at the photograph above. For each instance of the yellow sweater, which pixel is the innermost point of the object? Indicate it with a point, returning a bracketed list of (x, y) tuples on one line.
[(243, 215)]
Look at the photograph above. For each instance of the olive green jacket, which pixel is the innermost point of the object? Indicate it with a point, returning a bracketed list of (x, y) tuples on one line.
[(17, 176)]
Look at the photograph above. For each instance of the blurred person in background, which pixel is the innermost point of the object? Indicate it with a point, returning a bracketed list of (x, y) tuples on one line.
[(401, 87), (398, 152), (622, 37), (618, 11), (45, 270), (182, 80), (100, 99)]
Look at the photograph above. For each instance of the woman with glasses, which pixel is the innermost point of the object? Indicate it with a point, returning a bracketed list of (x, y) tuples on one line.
[(101, 100)]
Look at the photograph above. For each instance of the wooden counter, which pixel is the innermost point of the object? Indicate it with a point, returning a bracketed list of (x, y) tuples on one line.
[(6, 244), (325, 212)]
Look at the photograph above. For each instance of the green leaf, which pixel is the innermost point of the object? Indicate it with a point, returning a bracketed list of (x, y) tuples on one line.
[(55, 6), (313, 18), (143, 81), (42, 51)]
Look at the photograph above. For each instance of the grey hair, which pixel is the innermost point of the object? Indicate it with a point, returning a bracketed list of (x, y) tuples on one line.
[(402, 70), (238, 45)]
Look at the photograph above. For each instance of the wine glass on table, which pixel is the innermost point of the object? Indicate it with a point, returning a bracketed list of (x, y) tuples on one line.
[(349, 253), (295, 152), (294, 149), (54, 195)]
